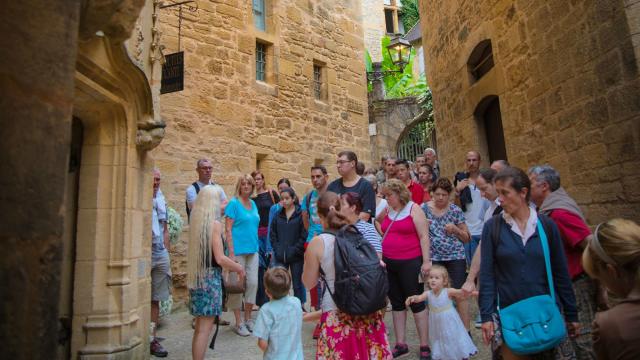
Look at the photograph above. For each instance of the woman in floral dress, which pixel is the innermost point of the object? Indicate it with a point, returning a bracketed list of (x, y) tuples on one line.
[(342, 336), (205, 260)]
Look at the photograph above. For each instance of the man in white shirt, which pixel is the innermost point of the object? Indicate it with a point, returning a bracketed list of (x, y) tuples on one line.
[(204, 170), (471, 201)]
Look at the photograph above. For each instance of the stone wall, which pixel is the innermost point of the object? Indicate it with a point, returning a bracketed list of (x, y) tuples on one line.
[(392, 118), (36, 88), (278, 126), (373, 23), (566, 74)]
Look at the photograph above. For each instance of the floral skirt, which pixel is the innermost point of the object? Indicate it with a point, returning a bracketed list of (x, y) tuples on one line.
[(344, 336), (207, 300)]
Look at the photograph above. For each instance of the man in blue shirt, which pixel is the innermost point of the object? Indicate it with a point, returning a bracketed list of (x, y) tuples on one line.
[(320, 181)]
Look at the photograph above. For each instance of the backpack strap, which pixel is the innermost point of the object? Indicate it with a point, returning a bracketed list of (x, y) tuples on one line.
[(186, 204), (273, 199), (308, 201)]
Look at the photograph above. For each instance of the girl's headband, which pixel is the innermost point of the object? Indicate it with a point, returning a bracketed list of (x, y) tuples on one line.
[(595, 245)]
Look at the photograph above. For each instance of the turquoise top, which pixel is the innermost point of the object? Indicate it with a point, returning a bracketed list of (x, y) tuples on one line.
[(245, 226)]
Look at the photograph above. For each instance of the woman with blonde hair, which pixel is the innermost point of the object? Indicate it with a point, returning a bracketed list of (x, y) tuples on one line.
[(205, 261), (242, 240), (613, 257)]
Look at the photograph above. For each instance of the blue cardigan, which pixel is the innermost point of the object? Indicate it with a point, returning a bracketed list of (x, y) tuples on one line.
[(518, 271)]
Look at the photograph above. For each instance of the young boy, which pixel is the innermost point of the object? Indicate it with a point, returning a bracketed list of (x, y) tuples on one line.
[(279, 324)]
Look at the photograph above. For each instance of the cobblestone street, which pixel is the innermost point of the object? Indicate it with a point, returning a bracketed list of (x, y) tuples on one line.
[(176, 329)]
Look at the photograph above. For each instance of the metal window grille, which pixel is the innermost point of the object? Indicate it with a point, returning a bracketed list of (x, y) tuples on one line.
[(317, 81), (258, 15), (416, 140), (261, 61)]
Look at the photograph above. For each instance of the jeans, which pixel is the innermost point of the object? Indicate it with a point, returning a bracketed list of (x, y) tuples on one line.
[(470, 248), (296, 278)]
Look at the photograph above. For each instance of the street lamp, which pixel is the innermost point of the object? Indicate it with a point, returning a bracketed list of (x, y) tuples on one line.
[(400, 52)]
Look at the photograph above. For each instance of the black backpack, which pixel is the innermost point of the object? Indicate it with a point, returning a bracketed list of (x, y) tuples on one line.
[(186, 205), (360, 286)]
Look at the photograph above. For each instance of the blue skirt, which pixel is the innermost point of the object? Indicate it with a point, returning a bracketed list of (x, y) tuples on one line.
[(207, 300)]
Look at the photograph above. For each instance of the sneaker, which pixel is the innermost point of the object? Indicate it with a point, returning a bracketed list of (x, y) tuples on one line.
[(425, 353), (250, 324), (157, 350), (241, 330), (399, 350), (316, 332)]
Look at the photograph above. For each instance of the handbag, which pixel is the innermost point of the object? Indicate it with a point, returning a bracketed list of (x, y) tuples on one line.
[(535, 324), (234, 283)]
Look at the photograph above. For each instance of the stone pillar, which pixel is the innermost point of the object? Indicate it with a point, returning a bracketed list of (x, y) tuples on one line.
[(38, 52), (378, 85)]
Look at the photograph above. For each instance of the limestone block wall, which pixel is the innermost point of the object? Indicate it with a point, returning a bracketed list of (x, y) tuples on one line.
[(241, 124), (373, 23), (566, 74)]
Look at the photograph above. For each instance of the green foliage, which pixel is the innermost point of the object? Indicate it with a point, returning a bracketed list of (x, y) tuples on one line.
[(174, 225), (410, 14)]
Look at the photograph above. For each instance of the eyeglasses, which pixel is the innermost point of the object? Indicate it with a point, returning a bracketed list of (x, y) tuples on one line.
[(206, 168), (340, 162)]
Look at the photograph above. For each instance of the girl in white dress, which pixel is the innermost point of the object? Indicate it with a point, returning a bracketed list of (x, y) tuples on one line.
[(448, 338)]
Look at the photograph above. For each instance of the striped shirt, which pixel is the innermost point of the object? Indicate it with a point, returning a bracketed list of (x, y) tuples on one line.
[(370, 233)]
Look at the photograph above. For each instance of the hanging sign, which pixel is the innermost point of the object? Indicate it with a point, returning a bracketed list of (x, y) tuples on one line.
[(173, 73)]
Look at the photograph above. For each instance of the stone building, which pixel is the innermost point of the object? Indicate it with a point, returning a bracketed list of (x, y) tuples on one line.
[(278, 87), (544, 81), (79, 114), (380, 18)]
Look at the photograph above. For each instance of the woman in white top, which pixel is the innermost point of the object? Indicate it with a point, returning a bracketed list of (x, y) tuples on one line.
[(342, 336)]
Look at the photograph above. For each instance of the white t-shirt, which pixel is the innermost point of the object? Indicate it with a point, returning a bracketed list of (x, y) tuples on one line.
[(474, 216)]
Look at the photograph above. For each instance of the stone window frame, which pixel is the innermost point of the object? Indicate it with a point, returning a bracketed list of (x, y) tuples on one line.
[(393, 9), (481, 60), (319, 81), (269, 78)]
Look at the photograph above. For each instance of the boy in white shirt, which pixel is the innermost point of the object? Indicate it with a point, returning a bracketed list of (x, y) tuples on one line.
[(279, 323)]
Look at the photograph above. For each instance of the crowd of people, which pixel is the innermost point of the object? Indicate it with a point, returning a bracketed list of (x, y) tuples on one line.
[(498, 233)]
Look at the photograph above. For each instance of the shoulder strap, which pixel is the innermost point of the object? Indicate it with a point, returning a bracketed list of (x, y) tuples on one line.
[(308, 201), (196, 186), (547, 259), (390, 225), (273, 199), (495, 234)]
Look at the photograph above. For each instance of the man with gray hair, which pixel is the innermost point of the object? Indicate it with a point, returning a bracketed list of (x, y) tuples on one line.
[(552, 200), (160, 263), (204, 170), (431, 159)]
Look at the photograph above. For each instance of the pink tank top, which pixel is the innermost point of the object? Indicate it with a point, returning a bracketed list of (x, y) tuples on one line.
[(402, 241)]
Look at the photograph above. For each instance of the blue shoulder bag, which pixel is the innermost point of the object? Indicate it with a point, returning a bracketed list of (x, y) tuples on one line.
[(535, 324)]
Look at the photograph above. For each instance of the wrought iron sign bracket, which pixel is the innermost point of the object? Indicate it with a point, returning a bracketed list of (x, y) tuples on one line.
[(191, 8)]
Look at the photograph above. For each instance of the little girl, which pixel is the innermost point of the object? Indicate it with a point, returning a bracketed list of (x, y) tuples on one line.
[(613, 258), (448, 338)]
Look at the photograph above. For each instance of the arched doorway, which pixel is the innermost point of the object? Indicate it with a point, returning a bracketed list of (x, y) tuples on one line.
[(415, 139), (490, 125)]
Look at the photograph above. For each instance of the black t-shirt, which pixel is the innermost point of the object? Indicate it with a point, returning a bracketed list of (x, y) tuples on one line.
[(362, 188), (263, 202)]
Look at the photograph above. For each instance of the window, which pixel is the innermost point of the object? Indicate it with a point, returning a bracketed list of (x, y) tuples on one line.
[(261, 61), (389, 15), (487, 112), (317, 81), (259, 15), (319, 85), (481, 60)]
